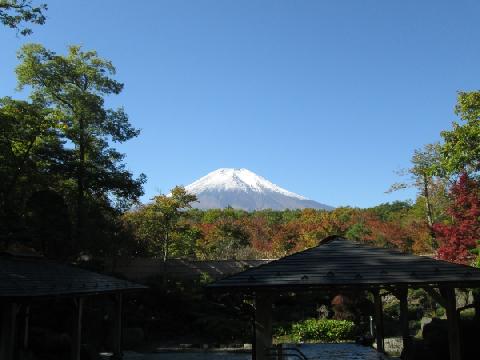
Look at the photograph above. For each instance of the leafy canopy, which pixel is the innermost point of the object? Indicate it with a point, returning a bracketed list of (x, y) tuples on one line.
[(459, 238), (159, 224), (74, 86), (461, 150), (30, 150), (14, 13)]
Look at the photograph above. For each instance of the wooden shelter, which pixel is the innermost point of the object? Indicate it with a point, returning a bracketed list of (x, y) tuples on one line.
[(339, 264), (139, 269), (26, 279)]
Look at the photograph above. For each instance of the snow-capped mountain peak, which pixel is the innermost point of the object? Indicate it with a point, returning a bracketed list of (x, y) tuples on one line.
[(236, 179), (243, 189)]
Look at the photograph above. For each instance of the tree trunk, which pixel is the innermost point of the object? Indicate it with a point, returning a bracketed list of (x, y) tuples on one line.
[(429, 211), (80, 186), (165, 258)]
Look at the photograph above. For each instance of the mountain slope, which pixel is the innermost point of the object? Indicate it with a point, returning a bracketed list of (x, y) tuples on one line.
[(243, 189)]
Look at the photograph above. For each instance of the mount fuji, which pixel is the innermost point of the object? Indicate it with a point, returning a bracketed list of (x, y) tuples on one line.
[(243, 189)]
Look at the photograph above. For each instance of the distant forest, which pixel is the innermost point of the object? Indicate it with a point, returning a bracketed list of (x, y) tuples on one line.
[(237, 234)]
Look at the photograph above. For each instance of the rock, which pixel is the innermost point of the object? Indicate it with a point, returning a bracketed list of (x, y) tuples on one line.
[(393, 345), (424, 321)]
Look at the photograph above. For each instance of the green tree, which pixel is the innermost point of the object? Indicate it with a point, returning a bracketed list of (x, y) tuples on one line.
[(430, 187), (74, 87), (159, 222), (184, 240), (461, 148), (48, 224), (357, 232), (15, 13), (230, 240), (31, 154)]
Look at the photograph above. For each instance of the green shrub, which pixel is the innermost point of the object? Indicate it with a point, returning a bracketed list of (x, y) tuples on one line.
[(323, 330), (440, 312), (391, 310), (467, 314)]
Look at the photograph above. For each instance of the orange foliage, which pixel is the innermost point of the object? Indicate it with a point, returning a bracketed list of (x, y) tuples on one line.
[(274, 234)]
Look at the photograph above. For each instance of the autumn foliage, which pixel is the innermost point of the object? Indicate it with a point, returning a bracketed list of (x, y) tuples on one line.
[(459, 237), (237, 234)]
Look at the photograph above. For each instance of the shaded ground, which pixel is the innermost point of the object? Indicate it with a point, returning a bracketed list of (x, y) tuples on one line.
[(312, 351)]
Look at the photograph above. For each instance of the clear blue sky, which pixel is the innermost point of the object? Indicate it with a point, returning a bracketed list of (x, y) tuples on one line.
[(324, 98)]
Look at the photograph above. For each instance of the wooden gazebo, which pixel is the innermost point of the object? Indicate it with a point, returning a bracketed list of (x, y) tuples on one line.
[(339, 264), (25, 280)]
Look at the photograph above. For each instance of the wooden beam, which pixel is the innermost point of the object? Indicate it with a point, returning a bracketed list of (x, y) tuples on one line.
[(263, 325), (379, 330), (402, 294), (77, 328), (448, 294), (117, 330), (8, 330)]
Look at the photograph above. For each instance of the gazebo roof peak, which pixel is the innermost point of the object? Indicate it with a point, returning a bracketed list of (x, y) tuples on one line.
[(338, 262)]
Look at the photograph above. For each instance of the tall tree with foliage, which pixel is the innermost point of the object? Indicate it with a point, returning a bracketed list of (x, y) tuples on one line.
[(462, 235), (31, 157), (461, 148), (460, 160), (158, 223), (15, 13), (431, 187), (74, 86)]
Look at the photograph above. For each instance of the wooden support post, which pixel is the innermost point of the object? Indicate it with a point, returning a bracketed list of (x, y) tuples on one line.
[(8, 330), (452, 320), (263, 325), (476, 304), (26, 327), (24, 332), (77, 329), (254, 336), (280, 352), (117, 331), (379, 331), (402, 295)]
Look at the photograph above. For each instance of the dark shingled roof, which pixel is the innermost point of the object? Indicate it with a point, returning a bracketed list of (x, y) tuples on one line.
[(24, 277), (143, 268), (341, 262)]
